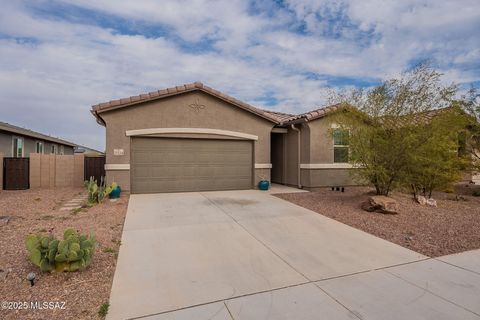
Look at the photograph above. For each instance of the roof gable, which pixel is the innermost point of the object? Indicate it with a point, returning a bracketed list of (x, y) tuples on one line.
[(278, 118), (196, 86)]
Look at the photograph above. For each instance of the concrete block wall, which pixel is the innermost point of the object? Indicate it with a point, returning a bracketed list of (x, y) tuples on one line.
[(50, 171)]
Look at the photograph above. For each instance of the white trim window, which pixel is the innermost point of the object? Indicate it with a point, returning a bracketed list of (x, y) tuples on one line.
[(54, 149), (18, 147), (39, 147), (62, 150), (340, 146)]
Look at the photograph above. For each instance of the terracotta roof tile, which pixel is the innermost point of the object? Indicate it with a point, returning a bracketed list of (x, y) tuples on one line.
[(180, 88), (114, 103), (274, 116)]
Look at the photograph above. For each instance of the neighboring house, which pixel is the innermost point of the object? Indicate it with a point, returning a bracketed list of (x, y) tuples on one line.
[(19, 142), (88, 151), (194, 138)]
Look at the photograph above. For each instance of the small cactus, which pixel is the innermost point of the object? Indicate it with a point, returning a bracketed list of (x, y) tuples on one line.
[(98, 192), (72, 253)]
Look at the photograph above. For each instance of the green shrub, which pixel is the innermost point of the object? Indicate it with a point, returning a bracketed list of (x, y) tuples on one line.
[(476, 193), (74, 252), (96, 193), (103, 310)]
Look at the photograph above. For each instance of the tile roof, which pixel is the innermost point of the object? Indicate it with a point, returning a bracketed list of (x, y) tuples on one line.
[(154, 95), (279, 118), (315, 114), (29, 133)]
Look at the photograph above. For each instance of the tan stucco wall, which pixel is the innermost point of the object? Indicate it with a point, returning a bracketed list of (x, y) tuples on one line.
[(317, 148), (175, 112)]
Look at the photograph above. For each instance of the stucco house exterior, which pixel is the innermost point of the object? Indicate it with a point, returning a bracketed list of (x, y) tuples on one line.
[(19, 142), (195, 138)]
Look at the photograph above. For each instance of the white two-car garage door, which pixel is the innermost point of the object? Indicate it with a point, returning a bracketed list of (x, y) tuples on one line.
[(178, 165)]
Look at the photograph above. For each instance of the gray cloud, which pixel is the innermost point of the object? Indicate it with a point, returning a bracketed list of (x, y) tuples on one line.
[(52, 70)]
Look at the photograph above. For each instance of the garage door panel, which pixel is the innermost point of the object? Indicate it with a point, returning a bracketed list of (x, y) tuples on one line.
[(176, 165)]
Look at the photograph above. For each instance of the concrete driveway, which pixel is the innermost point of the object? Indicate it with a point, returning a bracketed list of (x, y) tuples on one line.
[(249, 255)]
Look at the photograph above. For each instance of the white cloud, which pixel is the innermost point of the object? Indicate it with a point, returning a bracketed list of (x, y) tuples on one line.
[(256, 53)]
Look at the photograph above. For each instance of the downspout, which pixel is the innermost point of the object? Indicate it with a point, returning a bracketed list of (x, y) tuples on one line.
[(299, 138)]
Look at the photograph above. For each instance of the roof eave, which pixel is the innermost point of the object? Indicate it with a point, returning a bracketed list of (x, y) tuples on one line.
[(97, 109)]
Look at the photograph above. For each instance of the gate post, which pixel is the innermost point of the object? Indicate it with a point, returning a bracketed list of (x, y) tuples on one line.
[(1, 171)]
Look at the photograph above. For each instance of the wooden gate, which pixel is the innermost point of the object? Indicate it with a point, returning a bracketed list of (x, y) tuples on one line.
[(16, 173), (94, 167)]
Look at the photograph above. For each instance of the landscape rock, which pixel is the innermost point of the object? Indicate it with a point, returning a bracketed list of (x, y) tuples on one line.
[(381, 204), (421, 200), (432, 202)]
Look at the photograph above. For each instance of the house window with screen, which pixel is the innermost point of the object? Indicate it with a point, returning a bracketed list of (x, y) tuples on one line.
[(39, 147), (17, 147), (54, 149), (62, 151), (340, 146)]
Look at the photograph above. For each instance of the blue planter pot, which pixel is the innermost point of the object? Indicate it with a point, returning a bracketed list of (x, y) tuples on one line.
[(263, 185), (115, 193)]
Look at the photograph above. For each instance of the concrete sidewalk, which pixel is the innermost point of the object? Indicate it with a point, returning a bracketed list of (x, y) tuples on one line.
[(249, 255), (428, 289)]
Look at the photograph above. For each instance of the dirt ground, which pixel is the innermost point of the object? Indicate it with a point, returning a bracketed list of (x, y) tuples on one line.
[(454, 226), (33, 211)]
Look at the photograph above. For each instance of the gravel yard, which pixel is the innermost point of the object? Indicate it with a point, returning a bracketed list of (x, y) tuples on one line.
[(450, 228), (33, 211)]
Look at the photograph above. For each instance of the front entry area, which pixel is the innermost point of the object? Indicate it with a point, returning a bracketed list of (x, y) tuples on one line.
[(189, 164)]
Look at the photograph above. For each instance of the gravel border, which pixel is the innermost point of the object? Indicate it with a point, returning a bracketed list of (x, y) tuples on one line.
[(31, 211), (452, 227)]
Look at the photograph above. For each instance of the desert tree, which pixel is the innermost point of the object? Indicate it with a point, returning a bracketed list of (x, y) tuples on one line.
[(387, 125)]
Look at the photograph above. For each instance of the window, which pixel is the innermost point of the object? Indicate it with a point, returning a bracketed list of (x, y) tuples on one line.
[(17, 147), (340, 146), (39, 147), (62, 151), (54, 149)]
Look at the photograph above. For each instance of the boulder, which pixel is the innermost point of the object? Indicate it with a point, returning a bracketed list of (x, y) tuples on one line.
[(432, 202), (381, 204), (421, 200)]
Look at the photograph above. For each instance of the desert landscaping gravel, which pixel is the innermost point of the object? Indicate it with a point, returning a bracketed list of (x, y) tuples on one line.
[(33, 211), (453, 226)]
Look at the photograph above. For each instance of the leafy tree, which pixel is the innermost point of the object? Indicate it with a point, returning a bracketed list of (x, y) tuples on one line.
[(470, 103), (392, 133), (436, 163)]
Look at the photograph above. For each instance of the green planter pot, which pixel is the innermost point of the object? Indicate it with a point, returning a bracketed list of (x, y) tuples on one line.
[(263, 185), (115, 193)]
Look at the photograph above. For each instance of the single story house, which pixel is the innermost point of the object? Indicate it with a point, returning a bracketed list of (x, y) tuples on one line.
[(18, 142), (88, 151), (195, 138)]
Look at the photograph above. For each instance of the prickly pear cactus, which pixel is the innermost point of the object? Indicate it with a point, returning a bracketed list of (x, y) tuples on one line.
[(73, 253), (96, 193)]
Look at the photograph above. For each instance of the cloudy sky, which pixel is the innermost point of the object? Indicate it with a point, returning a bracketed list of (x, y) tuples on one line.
[(59, 57)]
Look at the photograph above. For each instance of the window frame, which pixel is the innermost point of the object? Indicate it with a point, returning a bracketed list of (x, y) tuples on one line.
[(62, 150), (53, 149), (14, 151), (39, 143), (341, 146)]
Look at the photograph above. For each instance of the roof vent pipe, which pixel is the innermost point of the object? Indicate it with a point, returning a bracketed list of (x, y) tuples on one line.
[(299, 136)]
